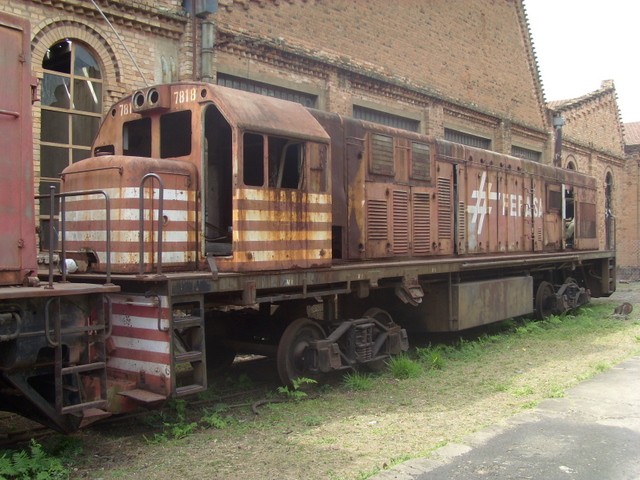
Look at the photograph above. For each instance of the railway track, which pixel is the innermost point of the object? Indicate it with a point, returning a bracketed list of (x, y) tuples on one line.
[(248, 380)]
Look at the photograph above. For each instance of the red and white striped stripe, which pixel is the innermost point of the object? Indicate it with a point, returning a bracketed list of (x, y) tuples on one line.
[(141, 341)]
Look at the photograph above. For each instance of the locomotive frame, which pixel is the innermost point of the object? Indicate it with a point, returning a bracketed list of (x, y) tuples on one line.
[(212, 221)]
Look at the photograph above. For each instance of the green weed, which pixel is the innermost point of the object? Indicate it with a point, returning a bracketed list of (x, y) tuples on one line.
[(522, 391), (358, 381), (555, 391), (601, 367), (294, 391), (403, 367), (431, 357), (34, 464), (215, 420)]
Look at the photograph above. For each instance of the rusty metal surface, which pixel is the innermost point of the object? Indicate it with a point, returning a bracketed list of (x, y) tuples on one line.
[(86, 227), (58, 290), (260, 113), (468, 202), (17, 253), (480, 303)]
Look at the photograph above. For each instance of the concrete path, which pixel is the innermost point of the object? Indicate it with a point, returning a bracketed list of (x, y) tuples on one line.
[(593, 433)]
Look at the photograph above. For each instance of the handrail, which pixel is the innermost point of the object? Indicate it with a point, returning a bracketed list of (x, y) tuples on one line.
[(160, 222), (97, 169), (10, 113), (63, 267)]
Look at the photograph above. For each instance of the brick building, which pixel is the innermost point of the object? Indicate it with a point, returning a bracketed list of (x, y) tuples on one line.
[(629, 226), (461, 70), (593, 143)]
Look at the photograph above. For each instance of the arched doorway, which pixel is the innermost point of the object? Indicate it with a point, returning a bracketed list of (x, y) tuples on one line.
[(71, 108)]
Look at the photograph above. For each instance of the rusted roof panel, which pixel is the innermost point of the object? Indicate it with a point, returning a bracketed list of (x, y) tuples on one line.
[(250, 111)]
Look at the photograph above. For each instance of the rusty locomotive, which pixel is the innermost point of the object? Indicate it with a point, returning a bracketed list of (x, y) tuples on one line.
[(211, 222)]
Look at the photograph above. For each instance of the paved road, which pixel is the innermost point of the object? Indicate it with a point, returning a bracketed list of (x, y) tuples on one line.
[(593, 433)]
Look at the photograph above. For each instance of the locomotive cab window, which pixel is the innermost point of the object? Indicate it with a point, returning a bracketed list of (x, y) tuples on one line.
[(554, 198), (285, 163), (175, 134), (253, 160), (136, 138)]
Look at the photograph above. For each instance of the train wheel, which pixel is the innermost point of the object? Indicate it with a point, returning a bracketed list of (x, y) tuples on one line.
[(545, 300), (383, 317), (293, 349)]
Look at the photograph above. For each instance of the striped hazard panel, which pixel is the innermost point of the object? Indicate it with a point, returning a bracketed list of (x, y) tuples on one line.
[(140, 347), (86, 228)]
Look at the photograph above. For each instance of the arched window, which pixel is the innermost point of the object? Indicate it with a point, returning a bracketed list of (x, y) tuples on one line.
[(71, 108), (571, 163)]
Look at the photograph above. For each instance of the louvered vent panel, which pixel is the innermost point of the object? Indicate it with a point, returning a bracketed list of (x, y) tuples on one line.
[(421, 224), (382, 154), (377, 221), (400, 222), (445, 221), (539, 236), (462, 223)]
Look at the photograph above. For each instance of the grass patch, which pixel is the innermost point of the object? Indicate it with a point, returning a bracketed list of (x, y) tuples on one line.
[(403, 367), (368, 423), (358, 381)]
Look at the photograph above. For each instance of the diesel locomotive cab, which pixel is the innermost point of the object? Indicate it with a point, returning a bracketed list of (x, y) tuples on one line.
[(215, 173)]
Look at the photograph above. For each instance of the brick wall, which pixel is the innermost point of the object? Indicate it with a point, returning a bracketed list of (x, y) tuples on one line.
[(450, 63), (475, 53)]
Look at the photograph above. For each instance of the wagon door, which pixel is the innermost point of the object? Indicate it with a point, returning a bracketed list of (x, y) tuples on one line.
[(17, 255)]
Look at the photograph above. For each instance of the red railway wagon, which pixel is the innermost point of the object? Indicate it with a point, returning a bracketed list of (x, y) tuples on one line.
[(40, 323)]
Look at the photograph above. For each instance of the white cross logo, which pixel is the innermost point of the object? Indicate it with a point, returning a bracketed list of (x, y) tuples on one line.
[(481, 208)]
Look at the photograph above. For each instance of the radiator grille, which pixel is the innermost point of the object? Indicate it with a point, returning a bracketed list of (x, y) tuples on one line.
[(445, 223), (421, 223), (400, 222), (377, 221), (462, 222)]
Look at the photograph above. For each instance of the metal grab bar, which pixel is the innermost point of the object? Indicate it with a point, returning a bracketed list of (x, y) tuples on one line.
[(160, 221), (16, 313), (52, 196), (97, 169), (50, 341), (11, 113)]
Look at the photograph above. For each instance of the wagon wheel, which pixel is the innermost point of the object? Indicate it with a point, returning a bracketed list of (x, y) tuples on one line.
[(545, 300), (383, 317), (293, 349)]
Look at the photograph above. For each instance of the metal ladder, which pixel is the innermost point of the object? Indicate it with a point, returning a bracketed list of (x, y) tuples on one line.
[(188, 345), (611, 275), (71, 396)]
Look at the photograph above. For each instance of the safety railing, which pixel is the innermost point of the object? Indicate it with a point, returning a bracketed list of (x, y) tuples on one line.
[(62, 196)]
